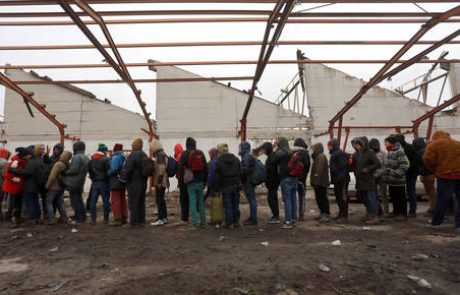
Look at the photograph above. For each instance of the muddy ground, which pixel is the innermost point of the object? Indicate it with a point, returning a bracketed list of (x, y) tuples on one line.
[(176, 260)]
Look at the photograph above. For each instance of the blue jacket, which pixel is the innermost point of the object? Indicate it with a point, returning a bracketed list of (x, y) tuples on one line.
[(116, 165), (212, 173), (248, 162)]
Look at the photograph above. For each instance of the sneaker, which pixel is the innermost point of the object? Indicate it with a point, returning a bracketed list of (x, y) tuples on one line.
[(373, 221), (287, 225), (274, 220), (51, 223), (435, 227), (325, 218), (158, 222), (341, 220), (400, 218), (193, 227), (165, 220), (249, 222), (412, 215), (116, 223)]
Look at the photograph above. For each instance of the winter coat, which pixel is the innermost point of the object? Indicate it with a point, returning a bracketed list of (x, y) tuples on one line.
[(98, 167), (12, 184), (116, 165), (302, 147), (178, 150), (198, 177), (420, 147), (271, 166), (338, 163), (413, 157), (55, 178), (50, 161), (34, 175), (396, 166), (248, 162), (283, 154), (227, 172), (132, 170), (74, 178), (4, 156), (442, 154), (160, 175), (319, 176), (368, 164), (212, 173), (381, 155)]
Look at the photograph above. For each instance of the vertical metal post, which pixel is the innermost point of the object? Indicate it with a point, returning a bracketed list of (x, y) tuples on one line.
[(429, 129), (347, 135)]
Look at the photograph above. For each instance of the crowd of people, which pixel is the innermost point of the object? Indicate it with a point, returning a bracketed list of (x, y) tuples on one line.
[(121, 180)]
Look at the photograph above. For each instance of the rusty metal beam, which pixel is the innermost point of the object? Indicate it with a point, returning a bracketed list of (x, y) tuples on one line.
[(378, 76), (219, 43), (217, 62), (424, 83), (41, 108), (119, 65), (435, 110)]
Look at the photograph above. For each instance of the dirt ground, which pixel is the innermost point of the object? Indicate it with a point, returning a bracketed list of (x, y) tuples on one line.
[(173, 259)]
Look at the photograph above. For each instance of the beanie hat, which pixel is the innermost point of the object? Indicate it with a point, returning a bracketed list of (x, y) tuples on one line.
[(102, 148), (137, 144), (117, 147), (38, 149), (391, 139), (23, 152), (213, 152)]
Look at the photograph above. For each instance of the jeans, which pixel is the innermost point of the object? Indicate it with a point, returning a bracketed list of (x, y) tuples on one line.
[(321, 200), (341, 198), (289, 192), (411, 181), (231, 196), (272, 196), (301, 190), (447, 188), (184, 203), (77, 204), (119, 205), (32, 205), (53, 197), (100, 188), (161, 203), (371, 202), (249, 191), (398, 198), (196, 201)]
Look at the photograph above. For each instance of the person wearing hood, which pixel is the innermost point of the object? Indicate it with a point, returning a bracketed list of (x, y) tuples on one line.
[(394, 174), (272, 182), (12, 184), (183, 195), (426, 177), (136, 183), (213, 153), (442, 158), (49, 163), (55, 188), (160, 181), (193, 163), (98, 169), (319, 179), (4, 157), (117, 188), (412, 173), (374, 144), (302, 148), (248, 165), (34, 182), (338, 166), (368, 164), (74, 179), (227, 181)]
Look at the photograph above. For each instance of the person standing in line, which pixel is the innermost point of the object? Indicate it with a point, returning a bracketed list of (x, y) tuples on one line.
[(98, 169), (213, 153), (338, 166), (183, 195), (374, 144), (117, 188), (248, 165), (319, 178), (301, 147), (4, 157), (426, 177), (160, 181)]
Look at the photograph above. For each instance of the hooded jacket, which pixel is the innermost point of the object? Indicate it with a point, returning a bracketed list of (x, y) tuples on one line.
[(75, 176), (212, 167), (131, 173), (420, 146), (160, 175), (198, 177), (442, 154), (55, 178), (4, 156), (34, 173), (319, 176), (368, 164), (116, 166), (381, 156), (248, 162), (12, 184), (98, 167), (283, 155), (302, 148), (271, 166), (178, 150), (412, 155), (396, 166), (227, 171), (338, 163)]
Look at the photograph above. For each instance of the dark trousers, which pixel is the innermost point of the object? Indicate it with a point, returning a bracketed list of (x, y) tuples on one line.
[(161, 203), (446, 189), (321, 200), (14, 207), (398, 198), (301, 191), (341, 198), (250, 192), (136, 203), (272, 196), (231, 196), (99, 188), (411, 182), (78, 206), (184, 203), (32, 205)]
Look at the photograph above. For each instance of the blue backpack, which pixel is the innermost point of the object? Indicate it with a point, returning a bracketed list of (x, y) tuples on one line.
[(172, 167), (259, 175)]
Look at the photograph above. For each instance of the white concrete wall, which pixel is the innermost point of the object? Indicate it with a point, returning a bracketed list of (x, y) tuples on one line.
[(454, 77)]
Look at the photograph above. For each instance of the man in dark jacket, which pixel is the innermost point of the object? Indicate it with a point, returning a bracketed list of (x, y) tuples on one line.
[(117, 188), (213, 153), (374, 144), (368, 164), (248, 165), (98, 169), (227, 181), (272, 182), (136, 183), (34, 182), (302, 148), (319, 179), (338, 166), (415, 161), (49, 161), (426, 177)]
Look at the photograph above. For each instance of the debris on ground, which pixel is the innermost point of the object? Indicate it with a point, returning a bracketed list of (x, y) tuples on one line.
[(337, 243), (223, 239), (366, 228), (265, 244), (421, 282), (57, 286), (29, 235), (53, 249), (420, 257), (74, 230), (324, 268)]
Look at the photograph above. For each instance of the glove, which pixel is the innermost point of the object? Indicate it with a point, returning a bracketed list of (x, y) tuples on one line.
[(14, 164), (16, 179)]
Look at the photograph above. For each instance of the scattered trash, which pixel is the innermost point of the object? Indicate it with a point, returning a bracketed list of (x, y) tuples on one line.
[(420, 282), (405, 242), (15, 230), (280, 286), (242, 291), (103, 265), (337, 243), (57, 286), (74, 230), (324, 268), (366, 228), (53, 249), (223, 239), (265, 244), (261, 230), (420, 257), (29, 235)]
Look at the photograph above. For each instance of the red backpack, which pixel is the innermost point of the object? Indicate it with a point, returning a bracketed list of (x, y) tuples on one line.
[(295, 164), (196, 161)]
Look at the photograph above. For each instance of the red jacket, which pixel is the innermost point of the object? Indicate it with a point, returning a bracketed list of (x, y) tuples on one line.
[(178, 150), (9, 186)]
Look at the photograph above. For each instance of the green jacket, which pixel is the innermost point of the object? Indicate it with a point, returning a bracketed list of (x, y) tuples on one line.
[(74, 178)]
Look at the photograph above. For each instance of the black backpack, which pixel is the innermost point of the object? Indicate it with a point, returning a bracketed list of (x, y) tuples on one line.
[(148, 166)]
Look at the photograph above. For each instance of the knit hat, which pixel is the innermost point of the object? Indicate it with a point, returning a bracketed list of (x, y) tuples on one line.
[(137, 144), (213, 152), (117, 147), (222, 149), (39, 149), (102, 148), (23, 152), (391, 139)]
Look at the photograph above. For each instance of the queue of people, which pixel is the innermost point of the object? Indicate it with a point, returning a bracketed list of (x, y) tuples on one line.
[(122, 180)]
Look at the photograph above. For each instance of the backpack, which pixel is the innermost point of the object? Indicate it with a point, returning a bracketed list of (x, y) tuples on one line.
[(171, 169), (147, 167), (295, 164), (196, 161), (259, 175)]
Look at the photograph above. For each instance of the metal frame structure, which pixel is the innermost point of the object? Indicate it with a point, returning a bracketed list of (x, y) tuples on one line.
[(275, 19)]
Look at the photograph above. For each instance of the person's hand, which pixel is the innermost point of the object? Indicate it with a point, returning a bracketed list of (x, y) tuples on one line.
[(14, 164), (16, 179), (47, 151)]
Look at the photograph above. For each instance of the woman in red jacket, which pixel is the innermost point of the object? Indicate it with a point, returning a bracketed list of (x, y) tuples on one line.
[(12, 185)]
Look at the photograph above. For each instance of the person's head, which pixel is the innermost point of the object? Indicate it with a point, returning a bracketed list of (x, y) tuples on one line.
[(58, 149), (65, 157), (362, 144), (266, 148), (317, 149), (374, 144), (213, 153), (178, 149), (39, 150), (190, 143), (333, 145), (156, 146), (353, 143), (222, 149), (400, 138), (390, 142), (283, 143), (245, 148), (440, 134), (118, 147), (79, 147), (137, 144), (299, 142), (102, 148), (24, 153)]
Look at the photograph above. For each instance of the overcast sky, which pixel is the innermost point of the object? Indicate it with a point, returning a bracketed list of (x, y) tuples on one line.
[(275, 76)]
